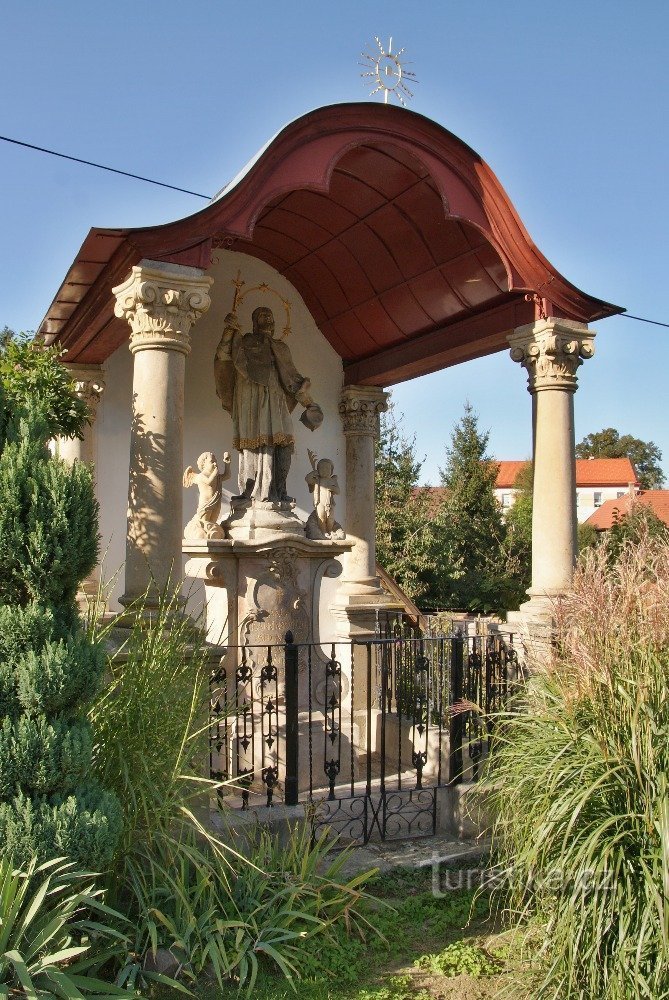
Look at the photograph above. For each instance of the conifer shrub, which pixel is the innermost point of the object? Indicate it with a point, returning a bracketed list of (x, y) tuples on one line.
[(49, 670)]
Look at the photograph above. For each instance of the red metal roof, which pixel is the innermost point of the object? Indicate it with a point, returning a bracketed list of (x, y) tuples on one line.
[(605, 516), (589, 472), (400, 239)]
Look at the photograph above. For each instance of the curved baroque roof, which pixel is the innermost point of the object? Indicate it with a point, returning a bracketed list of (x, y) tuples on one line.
[(399, 237)]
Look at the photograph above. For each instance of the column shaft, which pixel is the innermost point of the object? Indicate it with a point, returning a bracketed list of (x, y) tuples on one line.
[(554, 534), (551, 350), (360, 407), (155, 490), (160, 302)]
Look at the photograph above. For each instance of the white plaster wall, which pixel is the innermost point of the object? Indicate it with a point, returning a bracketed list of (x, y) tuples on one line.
[(113, 428), (585, 498), (207, 427)]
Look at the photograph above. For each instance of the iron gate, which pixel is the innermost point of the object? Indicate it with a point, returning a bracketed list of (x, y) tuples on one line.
[(366, 732)]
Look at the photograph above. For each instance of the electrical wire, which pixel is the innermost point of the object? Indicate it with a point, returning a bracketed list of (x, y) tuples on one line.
[(655, 322), (101, 166)]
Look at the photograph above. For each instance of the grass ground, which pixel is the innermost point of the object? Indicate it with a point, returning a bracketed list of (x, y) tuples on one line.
[(433, 948)]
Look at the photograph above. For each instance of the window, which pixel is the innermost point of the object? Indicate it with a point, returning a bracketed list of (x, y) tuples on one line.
[(598, 498), (507, 500), (620, 494)]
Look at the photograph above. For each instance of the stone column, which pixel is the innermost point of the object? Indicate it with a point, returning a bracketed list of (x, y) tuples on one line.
[(89, 386), (160, 302), (551, 350), (359, 408)]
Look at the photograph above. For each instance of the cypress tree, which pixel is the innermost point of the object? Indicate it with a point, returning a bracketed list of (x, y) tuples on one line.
[(49, 670), (403, 531), (473, 574)]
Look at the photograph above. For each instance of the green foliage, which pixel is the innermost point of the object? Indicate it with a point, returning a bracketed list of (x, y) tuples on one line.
[(404, 543), (33, 379), (473, 572), (518, 542), (222, 915), (49, 805), (227, 917), (54, 933), (149, 721), (638, 524), (587, 537), (457, 959), (48, 522), (645, 455), (582, 791)]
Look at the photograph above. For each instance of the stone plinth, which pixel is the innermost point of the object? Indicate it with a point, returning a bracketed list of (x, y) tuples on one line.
[(258, 589), (259, 520)]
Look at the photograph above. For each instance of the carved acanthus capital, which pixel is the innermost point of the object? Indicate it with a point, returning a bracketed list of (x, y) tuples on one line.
[(551, 350), (89, 384), (161, 303), (360, 407)]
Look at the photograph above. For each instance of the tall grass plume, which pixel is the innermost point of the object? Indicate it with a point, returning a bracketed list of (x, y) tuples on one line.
[(581, 783)]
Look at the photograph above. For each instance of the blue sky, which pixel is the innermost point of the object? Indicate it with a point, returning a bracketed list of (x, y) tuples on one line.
[(567, 103)]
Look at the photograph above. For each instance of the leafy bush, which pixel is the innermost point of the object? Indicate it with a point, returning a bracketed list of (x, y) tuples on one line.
[(583, 788), (31, 373), (457, 959), (49, 670), (54, 933), (222, 916)]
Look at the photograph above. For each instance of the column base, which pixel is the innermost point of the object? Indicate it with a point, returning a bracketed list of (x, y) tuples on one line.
[(365, 590), (534, 623), (357, 620), (147, 609)]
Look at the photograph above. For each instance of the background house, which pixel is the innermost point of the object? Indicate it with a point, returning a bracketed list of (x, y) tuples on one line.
[(604, 517), (598, 480)]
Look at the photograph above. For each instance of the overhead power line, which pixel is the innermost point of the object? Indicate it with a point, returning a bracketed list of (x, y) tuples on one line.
[(655, 322), (101, 166)]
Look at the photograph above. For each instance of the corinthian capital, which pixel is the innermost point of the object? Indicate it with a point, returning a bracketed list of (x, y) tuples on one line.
[(89, 385), (359, 408), (161, 302), (550, 351)]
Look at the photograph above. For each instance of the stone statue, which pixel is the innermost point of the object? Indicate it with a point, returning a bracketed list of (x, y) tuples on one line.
[(259, 386), (323, 484), (204, 524)]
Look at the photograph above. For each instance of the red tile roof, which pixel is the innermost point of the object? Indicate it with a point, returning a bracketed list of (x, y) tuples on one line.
[(604, 517), (589, 472), (506, 474)]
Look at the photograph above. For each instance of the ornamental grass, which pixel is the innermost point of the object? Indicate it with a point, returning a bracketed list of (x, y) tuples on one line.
[(581, 787)]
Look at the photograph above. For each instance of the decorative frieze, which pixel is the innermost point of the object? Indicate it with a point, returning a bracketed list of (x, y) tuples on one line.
[(360, 408), (161, 305), (551, 350)]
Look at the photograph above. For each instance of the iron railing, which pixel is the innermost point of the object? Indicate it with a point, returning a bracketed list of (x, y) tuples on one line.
[(362, 727)]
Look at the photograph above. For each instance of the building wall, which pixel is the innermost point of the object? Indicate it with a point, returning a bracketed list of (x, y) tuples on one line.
[(588, 498), (207, 427)]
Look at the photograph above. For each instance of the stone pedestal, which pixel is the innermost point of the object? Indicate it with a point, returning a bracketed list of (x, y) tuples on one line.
[(551, 350), (258, 589)]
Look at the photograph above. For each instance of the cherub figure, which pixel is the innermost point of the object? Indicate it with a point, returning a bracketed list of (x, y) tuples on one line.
[(204, 524), (323, 484)]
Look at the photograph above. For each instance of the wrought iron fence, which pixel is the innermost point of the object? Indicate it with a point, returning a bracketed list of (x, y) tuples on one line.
[(368, 730)]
